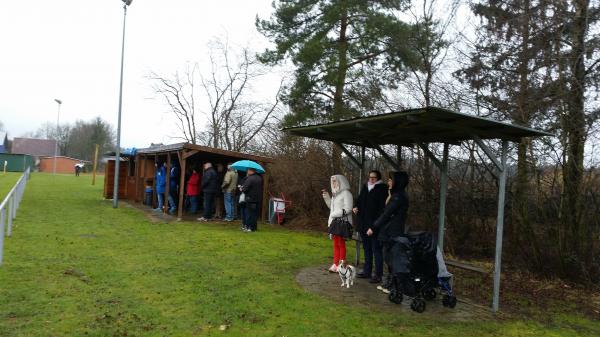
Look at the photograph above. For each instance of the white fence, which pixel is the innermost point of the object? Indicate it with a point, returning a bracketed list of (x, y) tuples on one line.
[(8, 208)]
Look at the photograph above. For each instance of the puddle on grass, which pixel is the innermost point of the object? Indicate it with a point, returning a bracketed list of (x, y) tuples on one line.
[(318, 280)]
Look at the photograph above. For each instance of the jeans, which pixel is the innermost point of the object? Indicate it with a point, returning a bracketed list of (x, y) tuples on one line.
[(372, 247), (172, 204), (251, 215), (229, 205), (209, 200), (193, 199), (161, 200)]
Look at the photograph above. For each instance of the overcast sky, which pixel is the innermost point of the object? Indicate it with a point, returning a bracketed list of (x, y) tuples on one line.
[(70, 50)]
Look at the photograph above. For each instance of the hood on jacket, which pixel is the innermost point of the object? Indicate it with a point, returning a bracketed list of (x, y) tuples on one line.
[(399, 181), (342, 184)]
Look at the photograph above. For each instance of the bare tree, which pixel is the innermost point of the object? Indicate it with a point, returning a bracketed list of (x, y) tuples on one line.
[(50, 130), (178, 93), (223, 113)]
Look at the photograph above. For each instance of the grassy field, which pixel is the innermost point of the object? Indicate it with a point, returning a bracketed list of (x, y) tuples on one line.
[(77, 267), (7, 181)]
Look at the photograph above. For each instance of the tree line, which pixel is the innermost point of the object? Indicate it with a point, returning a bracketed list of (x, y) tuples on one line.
[(78, 140)]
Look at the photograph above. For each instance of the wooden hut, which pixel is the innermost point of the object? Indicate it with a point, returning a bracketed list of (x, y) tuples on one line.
[(139, 170)]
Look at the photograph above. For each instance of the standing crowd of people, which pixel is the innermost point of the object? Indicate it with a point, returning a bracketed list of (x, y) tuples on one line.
[(224, 194), (381, 210)]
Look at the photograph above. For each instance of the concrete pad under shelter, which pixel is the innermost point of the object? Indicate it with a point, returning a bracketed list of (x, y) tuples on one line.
[(317, 279)]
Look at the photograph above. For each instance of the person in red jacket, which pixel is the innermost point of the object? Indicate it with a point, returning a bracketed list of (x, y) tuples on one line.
[(192, 190)]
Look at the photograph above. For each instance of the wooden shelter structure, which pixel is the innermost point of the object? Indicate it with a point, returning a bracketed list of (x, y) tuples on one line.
[(139, 169), (418, 127)]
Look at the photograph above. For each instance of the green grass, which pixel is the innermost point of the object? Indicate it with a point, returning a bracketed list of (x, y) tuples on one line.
[(7, 181), (77, 267)]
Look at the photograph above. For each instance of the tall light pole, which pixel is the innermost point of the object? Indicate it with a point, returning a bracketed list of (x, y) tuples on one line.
[(57, 135), (118, 151)]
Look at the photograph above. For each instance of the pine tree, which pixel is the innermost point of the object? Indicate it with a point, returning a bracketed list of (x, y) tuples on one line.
[(333, 46), (510, 69)]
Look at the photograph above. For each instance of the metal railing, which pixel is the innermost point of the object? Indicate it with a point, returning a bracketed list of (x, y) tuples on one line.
[(9, 206)]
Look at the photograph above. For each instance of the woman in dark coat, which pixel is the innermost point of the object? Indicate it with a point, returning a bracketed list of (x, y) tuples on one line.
[(393, 220), (391, 223), (369, 206)]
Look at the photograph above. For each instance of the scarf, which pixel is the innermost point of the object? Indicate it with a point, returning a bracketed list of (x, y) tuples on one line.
[(371, 186)]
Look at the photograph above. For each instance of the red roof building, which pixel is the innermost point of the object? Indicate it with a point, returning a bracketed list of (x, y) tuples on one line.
[(34, 147)]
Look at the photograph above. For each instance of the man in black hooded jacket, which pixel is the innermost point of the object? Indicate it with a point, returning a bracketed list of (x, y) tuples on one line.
[(252, 189)]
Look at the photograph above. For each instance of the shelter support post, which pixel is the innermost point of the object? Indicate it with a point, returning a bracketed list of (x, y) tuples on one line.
[(142, 190), (168, 186), (387, 157), (430, 155), (136, 177), (443, 192), (181, 185), (154, 192), (500, 227), (348, 153), (360, 175), (488, 152)]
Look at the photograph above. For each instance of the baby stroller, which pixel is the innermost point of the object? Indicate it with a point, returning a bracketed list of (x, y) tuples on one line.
[(415, 271)]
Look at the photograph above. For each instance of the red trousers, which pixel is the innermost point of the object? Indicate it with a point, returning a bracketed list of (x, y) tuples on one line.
[(339, 249)]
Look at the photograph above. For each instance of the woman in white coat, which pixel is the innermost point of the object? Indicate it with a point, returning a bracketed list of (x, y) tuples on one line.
[(339, 203)]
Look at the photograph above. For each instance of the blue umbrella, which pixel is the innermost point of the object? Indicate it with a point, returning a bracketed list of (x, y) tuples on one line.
[(244, 165)]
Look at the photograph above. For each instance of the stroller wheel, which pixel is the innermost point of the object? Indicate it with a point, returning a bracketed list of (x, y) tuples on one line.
[(418, 305), (395, 296), (429, 294), (449, 301)]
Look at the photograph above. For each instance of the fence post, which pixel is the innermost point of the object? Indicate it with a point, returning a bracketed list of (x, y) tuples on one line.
[(1, 233), (9, 218), (14, 204)]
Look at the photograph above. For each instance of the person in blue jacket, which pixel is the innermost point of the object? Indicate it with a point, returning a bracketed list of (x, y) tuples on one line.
[(173, 187), (161, 185)]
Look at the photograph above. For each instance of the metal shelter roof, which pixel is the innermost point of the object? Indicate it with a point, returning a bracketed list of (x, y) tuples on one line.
[(408, 127)]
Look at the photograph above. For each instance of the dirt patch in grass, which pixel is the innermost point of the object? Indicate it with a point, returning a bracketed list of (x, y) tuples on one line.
[(318, 280), (304, 223), (78, 274)]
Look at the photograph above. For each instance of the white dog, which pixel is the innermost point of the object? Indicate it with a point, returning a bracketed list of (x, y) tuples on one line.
[(347, 273)]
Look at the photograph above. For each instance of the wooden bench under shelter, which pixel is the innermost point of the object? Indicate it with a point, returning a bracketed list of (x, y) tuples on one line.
[(419, 127), (140, 169)]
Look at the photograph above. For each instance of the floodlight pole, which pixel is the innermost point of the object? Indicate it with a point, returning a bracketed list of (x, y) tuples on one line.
[(118, 150), (59, 102)]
